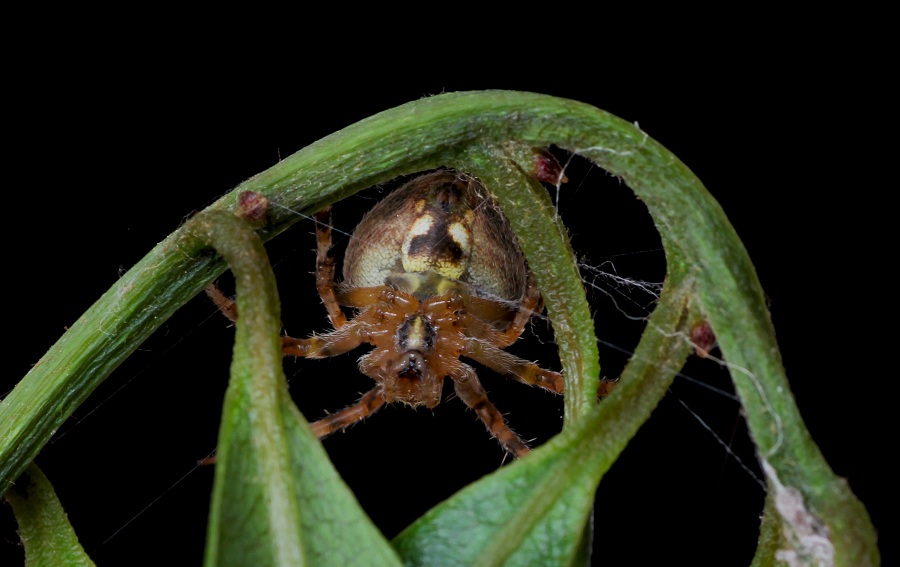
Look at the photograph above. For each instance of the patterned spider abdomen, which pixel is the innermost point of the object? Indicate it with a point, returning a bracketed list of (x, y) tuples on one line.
[(434, 231)]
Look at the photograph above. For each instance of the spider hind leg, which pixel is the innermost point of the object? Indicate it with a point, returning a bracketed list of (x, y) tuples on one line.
[(472, 393)]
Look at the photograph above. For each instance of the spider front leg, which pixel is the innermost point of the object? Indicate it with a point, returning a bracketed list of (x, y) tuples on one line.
[(511, 365), (324, 276), (503, 362), (341, 340), (472, 393), (325, 268), (378, 304), (483, 344)]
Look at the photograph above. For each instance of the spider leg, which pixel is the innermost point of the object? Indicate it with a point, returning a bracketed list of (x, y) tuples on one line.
[(325, 268), (324, 277), (338, 341), (485, 345), (227, 306), (531, 305), (472, 393), (605, 387), (493, 310), (503, 362), (366, 406)]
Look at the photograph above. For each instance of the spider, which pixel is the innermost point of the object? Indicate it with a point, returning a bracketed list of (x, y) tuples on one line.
[(434, 274)]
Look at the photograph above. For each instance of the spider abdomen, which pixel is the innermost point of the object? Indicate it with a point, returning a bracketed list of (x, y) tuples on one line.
[(445, 226)]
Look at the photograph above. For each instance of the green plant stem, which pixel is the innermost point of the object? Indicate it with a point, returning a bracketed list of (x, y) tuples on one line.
[(505, 172), (439, 131)]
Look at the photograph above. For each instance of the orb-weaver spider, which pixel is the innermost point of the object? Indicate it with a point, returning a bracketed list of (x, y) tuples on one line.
[(434, 273)]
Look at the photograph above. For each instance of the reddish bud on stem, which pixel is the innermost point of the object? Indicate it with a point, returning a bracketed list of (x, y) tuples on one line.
[(547, 168), (253, 206), (703, 338)]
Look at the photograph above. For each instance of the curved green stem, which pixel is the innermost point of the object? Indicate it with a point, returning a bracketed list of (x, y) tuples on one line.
[(440, 131)]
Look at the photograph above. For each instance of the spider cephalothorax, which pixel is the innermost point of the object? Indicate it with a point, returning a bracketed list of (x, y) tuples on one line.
[(434, 274)]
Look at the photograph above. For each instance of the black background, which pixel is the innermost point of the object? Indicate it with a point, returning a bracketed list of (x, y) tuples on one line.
[(110, 158)]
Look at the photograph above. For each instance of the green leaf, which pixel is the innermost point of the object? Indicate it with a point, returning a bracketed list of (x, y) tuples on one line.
[(43, 525), (276, 499)]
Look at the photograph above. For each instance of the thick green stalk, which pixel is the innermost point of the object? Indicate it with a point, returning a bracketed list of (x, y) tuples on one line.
[(439, 131)]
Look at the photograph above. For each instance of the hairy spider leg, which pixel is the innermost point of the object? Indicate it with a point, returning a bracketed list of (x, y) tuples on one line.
[(368, 404), (491, 310), (346, 338), (379, 305), (324, 277), (456, 326), (325, 268), (338, 341), (486, 343), (472, 393), (482, 342), (503, 362), (226, 305)]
